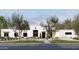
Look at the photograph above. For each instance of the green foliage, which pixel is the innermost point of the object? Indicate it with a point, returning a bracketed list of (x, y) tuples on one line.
[(3, 22), (76, 24), (19, 23), (52, 22), (50, 25), (9, 22), (67, 24)]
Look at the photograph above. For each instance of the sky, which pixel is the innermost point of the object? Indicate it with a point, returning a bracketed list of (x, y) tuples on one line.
[(35, 16)]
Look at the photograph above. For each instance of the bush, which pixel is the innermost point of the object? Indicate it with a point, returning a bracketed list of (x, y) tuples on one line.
[(8, 38), (56, 38), (76, 38)]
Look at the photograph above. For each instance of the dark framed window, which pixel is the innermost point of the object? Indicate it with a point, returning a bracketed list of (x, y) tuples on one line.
[(68, 33), (43, 28), (16, 34), (25, 34), (35, 27), (6, 34)]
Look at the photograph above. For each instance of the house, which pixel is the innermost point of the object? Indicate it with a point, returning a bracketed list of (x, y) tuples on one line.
[(39, 32), (35, 31), (65, 34)]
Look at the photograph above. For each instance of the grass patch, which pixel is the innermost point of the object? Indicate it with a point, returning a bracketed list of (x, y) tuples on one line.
[(63, 41), (28, 41), (24, 41)]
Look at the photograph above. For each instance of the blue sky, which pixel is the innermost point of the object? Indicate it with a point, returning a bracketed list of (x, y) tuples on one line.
[(35, 16)]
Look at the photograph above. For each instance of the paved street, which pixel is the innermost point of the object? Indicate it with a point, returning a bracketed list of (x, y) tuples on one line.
[(30, 46)]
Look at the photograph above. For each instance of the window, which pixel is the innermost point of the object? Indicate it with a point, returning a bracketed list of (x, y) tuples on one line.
[(35, 27), (6, 34), (68, 33), (25, 34), (43, 28), (16, 34)]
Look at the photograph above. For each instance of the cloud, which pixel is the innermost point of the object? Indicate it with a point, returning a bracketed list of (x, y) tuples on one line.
[(35, 16)]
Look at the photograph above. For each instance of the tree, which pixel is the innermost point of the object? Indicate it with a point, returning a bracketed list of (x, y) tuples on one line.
[(50, 25), (3, 23), (76, 23), (19, 23), (67, 24), (8, 22), (59, 26), (53, 21)]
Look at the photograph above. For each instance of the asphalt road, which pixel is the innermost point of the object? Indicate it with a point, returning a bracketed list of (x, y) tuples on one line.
[(61, 46)]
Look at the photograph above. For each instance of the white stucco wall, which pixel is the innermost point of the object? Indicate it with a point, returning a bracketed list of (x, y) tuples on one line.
[(61, 34), (11, 32), (39, 28), (29, 32)]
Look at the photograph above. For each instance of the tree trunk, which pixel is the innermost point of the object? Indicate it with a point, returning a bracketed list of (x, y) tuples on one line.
[(20, 33)]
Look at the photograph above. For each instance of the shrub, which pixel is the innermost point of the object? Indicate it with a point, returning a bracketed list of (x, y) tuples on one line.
[(56, 38), (76, 38)]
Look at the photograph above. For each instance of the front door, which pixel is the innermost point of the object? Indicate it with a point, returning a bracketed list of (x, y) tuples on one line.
[(35, 33), (43, 34)]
